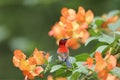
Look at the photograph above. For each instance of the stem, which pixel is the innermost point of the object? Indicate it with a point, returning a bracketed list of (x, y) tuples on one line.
[(117, 56), (114, 34), (84, 78)]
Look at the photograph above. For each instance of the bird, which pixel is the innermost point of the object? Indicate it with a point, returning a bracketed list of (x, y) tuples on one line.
[(63, 52)]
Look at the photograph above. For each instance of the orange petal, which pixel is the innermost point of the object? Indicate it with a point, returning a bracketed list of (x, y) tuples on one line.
[(57, 31), (38, 70), (89, 16), (16, 61), (28, 74), (50, 77), (85, 36), (98, 56), (72, 14), (63, 19), (19, 54), (24, 65), (64, 12), (113, 19), (112, 61), (80, 17), (89, 62), (73, 43), (68, 27), (84, 25), (81, 10), (51, 33), (39, 56), (32, 61), (111, 77), (100, 65), (103, 74), (47, 56)]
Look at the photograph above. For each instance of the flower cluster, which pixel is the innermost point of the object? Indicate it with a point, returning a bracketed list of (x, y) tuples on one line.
[(103, 65), (31, 66), (73, 25)]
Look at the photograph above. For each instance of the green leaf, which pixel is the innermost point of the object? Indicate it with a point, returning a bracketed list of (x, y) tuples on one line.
[(106, 38), (90, 39), (112, 13), (72, 59), (98, 45), (101, 48), (81, 67), (75, 76), (82, 57), (56, 67), (116, 71), (99, 22), (62, 73), (114, 26), (117, 32), (50, 59)]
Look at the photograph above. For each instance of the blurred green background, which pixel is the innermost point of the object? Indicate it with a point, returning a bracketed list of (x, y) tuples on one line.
[(24, 25)]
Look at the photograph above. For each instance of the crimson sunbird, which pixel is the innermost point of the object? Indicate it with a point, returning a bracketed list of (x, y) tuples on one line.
[(63, 52)]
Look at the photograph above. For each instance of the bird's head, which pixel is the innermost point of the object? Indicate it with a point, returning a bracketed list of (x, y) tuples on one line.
[(63, 41)]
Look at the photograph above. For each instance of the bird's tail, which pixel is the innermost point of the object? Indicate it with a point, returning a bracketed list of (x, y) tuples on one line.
[(68, 62)]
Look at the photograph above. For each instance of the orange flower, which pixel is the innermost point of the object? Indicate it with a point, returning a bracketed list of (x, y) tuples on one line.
[(18, 56), (73, 25), (112, 19), (89, 62), (111, 61), (30, 66), (103, 74), (39, 56), (100, 63), (103, 66), (111, 77), (50, 77)]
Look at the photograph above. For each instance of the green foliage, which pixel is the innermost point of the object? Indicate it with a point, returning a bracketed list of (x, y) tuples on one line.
[(116, 71), (82, 57), (63, 73), (55, 68), (75, 76), (114, 26)]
